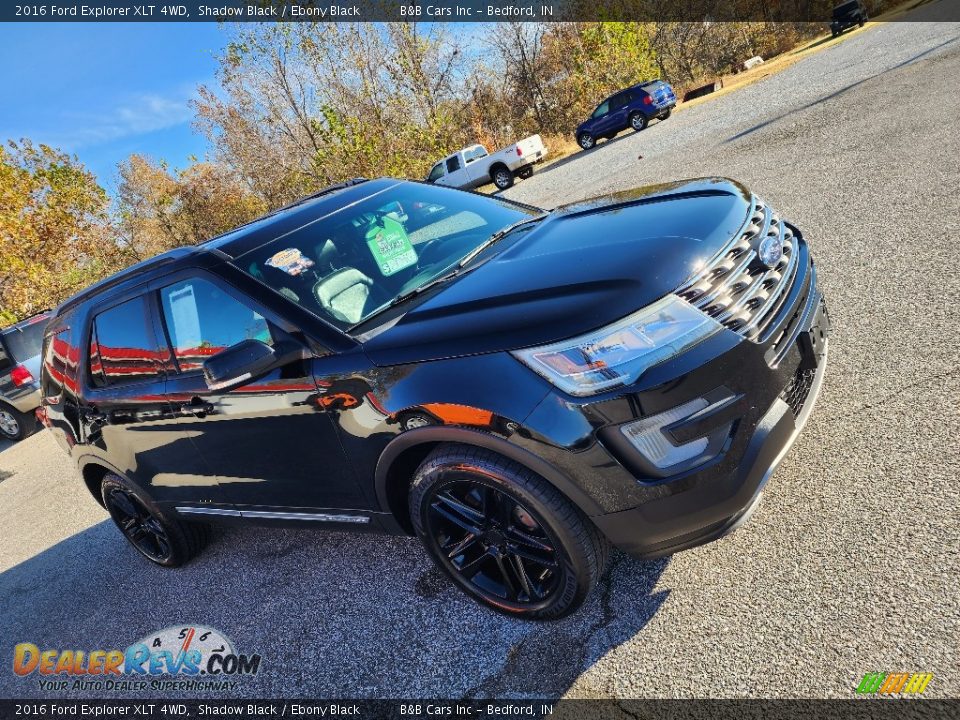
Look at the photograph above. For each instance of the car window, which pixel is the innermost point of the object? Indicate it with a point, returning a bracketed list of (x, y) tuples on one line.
[(619, 101), (436, 173), (202, 320), (55, 367), (475, 153), (24, 341), (349, 265), (602, 109), (453, 163), (123, 347)]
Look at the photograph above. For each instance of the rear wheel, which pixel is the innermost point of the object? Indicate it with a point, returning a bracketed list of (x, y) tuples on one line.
[(159, 537), (504, 535), (586, 140), (638, 121), (666, 114), (15, 425), (526, 172), (502, 177)]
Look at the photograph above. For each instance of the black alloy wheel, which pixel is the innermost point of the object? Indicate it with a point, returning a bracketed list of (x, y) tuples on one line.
[(161, 537), (494, 543), (503, 534), (143, 530)]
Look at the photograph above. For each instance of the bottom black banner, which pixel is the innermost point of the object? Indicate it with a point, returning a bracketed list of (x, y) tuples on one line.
[(865, 709)]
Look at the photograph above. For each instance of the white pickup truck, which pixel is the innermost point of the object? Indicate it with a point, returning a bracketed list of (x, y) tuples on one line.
[(472, 166)]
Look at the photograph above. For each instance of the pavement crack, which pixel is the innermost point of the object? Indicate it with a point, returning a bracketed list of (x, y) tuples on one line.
[(870, 405)]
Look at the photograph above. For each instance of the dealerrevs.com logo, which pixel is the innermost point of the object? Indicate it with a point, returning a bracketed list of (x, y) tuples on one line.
[(176, 658)]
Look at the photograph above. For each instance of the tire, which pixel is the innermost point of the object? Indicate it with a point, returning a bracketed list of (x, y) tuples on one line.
[(180, 541), (526, 172), (638, 121), (504, 535), (861, 22), (16, 425), (586, 141), (502, 177), (666, 114)]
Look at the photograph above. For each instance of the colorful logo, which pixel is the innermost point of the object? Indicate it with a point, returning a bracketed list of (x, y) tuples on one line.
[(190, 651), (894, 683)]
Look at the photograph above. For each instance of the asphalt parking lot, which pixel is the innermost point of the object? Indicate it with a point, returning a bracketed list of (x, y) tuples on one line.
[(850, 564)]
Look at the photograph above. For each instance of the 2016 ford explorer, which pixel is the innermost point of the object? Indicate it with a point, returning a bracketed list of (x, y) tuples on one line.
[(518, 388)]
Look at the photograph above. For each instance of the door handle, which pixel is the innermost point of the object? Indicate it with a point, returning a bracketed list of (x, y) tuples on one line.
[(196, 407)]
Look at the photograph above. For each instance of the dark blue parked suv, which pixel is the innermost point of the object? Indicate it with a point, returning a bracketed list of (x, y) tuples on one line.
[(634, 107)]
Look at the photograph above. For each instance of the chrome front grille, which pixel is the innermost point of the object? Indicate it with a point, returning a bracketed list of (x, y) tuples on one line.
[(735, 287)]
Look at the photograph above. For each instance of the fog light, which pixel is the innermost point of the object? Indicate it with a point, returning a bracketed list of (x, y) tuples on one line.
[(647, 436)]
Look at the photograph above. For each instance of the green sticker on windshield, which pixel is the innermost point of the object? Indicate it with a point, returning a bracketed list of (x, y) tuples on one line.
[(390, 246)]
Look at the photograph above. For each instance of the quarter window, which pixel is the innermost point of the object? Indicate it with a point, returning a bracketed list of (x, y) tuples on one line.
[(123, 347), (203, 320)]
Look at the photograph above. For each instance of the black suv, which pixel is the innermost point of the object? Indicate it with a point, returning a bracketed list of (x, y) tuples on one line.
[(516, 387), (846, 15)]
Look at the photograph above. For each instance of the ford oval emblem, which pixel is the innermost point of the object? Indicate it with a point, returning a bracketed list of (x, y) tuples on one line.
[(771, 250)]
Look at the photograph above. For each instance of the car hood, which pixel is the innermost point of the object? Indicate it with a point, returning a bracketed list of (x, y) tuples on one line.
[(583, 267)]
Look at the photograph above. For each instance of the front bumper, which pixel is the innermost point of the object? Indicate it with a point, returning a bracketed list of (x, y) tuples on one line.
[(638, 531), (761, 394)]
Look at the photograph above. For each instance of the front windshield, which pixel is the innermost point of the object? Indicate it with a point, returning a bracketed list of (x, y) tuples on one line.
[(348, 266)]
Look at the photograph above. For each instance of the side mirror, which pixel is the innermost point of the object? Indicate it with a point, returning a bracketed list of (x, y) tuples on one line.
[(245, 361)]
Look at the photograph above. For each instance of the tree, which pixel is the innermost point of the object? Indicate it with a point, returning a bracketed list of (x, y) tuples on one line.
[(159, 210), (55, 235), (303, 105)]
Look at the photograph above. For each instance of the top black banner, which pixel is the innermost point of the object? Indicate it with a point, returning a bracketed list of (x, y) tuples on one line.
[(819, 11)]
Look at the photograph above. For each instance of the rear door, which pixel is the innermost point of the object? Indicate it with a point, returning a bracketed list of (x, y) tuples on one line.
[(615, 119), (271, 443), (123, 416)]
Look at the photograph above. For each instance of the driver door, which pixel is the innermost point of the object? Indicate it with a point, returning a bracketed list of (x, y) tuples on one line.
[(270, 443)]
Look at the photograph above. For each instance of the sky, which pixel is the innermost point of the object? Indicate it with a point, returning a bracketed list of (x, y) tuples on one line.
[(105, 90)]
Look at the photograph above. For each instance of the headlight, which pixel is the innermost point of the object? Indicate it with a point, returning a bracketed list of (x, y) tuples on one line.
[(618, 354)]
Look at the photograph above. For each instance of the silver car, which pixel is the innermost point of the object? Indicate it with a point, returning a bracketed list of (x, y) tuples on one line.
[(20, 376)]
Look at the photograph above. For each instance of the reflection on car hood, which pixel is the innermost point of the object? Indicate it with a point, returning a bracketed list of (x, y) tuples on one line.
[(585, 266)]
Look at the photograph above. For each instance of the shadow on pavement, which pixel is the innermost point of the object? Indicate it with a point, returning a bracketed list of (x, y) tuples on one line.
[(331, 614)]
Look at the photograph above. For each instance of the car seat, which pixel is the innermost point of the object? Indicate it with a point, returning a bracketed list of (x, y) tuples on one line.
[(343, 294)]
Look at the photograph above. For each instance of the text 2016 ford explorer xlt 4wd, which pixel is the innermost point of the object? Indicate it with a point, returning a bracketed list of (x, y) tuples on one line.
[(518, 388)]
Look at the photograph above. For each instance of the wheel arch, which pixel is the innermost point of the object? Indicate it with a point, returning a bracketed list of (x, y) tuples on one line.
[(496, 166), (93, 470), (402, 456)]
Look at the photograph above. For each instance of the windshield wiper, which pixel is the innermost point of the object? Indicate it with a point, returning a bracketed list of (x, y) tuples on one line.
[(457, 270), (498, 236)]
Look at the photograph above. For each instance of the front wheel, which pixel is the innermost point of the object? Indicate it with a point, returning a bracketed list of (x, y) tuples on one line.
[(504, 535), (638, 121), (502, 177), (15, 425), (159, 537)]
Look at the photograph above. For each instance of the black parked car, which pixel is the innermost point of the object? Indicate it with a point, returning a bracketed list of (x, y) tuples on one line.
[(518, 388), (846, 15)]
